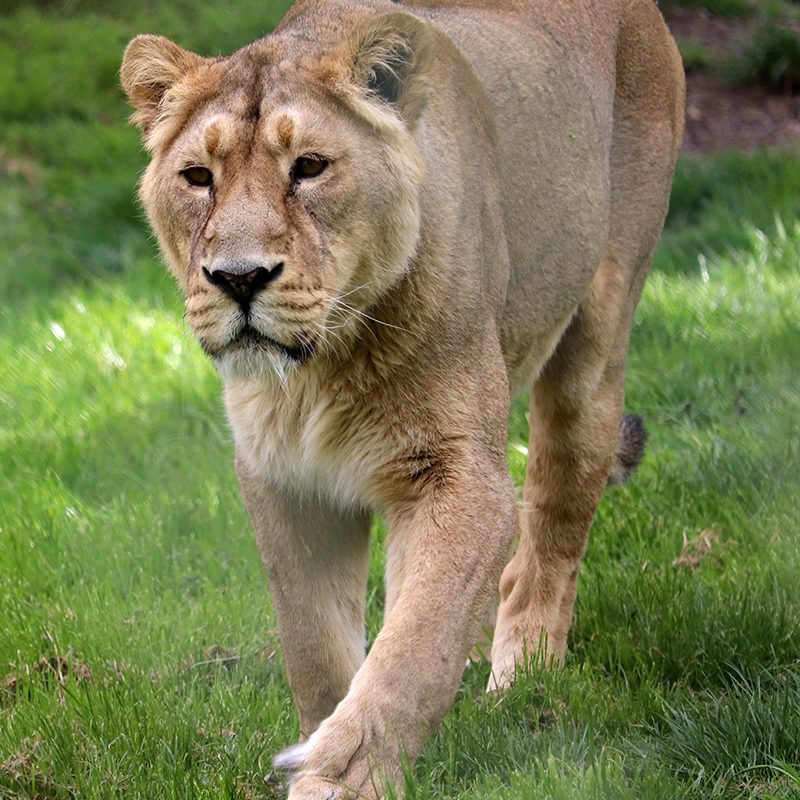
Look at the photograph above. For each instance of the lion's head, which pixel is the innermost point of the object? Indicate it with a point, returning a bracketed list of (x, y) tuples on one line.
[(284, 182)]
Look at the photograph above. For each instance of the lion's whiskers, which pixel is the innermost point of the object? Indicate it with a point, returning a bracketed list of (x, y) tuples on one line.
[(338, 303), (344, 316)]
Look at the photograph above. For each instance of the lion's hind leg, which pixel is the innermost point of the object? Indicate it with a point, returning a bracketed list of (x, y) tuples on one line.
[(577, 400), (575, 414)]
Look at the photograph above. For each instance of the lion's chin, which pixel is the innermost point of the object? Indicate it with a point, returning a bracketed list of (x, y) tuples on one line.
[(267, 365), (255, 356)]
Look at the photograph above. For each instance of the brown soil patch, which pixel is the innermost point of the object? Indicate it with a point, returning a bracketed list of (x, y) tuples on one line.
[(26, 169), (21, 770), (697, 550), (721, 34), (720, 116), (52, 669)]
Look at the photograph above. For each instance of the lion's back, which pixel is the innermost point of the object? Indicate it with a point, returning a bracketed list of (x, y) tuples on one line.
[(553, 76)]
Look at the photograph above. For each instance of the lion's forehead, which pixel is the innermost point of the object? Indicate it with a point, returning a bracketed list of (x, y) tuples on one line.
[(223, 131), (275, 93), (277, 122)]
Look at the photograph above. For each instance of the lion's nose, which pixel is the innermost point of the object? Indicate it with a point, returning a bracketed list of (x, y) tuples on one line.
[(242, 280)]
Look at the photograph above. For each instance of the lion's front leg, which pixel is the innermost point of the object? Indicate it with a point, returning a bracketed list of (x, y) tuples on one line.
[(317, 558), (455, 541)]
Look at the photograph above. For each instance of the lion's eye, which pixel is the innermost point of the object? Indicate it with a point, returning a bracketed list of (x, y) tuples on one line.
[(198, 176), (308, 167)]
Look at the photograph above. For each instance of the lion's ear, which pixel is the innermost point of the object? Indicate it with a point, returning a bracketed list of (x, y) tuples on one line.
[(150, 67), (391, 56)]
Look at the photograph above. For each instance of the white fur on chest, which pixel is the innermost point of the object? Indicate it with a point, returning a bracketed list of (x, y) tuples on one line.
[(285, 442)]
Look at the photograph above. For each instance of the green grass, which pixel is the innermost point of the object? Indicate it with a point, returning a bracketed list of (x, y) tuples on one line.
[(138, 651), (771, 56), (696, 57)]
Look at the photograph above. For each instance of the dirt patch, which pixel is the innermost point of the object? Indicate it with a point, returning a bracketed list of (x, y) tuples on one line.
[(719, 115), (13, 167), (695, 551), (722, 35), (20, 764), (22, 770), (53, 669), (218, 656)]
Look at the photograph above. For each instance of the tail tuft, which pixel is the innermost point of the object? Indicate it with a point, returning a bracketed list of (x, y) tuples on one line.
[(629, 452)]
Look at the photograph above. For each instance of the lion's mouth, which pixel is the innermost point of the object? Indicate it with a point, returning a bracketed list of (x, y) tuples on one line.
[(250, 339)]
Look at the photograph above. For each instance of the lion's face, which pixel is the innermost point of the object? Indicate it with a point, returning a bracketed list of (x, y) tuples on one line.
[(284, 199)]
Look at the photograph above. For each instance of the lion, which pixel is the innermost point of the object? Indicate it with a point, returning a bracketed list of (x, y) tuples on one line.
[(388, 219)]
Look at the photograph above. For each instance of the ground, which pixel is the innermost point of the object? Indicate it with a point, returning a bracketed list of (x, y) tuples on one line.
[(721, 115)]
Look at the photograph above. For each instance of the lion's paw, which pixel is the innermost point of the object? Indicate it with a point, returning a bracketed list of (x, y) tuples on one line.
[(333, 764), (312, 787)]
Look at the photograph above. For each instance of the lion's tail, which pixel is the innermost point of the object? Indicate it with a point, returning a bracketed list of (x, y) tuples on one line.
[(629, 451)]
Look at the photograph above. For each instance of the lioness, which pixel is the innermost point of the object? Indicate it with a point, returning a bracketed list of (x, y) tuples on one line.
[(387, 219)]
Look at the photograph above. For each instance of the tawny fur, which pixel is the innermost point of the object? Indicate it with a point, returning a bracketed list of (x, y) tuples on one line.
[(497, 179)]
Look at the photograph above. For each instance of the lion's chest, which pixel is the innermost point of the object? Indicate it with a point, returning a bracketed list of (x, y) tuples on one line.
[(302, 445)]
